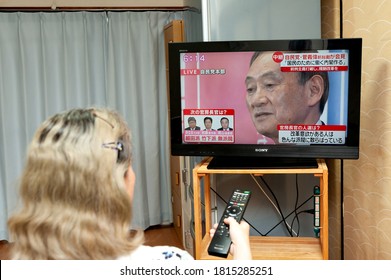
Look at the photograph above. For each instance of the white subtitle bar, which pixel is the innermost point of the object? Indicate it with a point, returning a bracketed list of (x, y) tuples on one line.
[(210, 270)]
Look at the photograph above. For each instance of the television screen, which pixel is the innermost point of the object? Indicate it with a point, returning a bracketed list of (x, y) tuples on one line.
[(248, 102)]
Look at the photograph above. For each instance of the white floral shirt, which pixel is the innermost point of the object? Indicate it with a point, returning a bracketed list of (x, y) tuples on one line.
[(157, 253)]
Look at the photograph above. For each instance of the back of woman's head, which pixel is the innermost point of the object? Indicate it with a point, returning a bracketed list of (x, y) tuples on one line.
[(74, 201)]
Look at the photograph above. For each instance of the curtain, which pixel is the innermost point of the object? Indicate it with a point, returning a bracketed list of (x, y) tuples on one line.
[(50, 62)]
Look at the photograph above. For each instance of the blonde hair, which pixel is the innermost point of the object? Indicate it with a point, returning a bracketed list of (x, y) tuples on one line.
[(74, 201)]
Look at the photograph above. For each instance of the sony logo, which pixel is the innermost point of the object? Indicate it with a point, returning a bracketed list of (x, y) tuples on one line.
[(259, 150)]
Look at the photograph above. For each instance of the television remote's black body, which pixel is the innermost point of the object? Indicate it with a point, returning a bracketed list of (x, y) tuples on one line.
[(221, 241)]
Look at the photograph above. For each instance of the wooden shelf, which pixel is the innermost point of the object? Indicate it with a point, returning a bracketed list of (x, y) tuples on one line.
[(276, 248), (263, 248)]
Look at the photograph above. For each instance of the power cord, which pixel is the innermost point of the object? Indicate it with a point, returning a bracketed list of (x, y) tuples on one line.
[(310, 211), (254, 228), (276, 206), (296, 202)]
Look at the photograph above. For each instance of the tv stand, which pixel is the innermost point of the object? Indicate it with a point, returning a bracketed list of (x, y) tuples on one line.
[(224, 162), (262, 247)]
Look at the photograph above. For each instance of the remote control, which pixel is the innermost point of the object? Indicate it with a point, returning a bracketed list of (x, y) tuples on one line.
[(221, 241)]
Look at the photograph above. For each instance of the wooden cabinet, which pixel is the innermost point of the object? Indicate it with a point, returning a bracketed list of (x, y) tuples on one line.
[(174, 32), (262, 247)]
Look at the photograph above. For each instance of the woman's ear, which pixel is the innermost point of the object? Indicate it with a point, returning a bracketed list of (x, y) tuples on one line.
[(130, 181), (316, 89)]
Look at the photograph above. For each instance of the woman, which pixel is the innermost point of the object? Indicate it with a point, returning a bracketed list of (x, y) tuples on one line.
[(77, 188)]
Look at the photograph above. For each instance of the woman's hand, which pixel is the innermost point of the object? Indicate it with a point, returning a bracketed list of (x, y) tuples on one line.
[(240, 236)]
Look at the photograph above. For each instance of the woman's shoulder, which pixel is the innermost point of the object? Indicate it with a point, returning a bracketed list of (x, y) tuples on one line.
[(158, 253)]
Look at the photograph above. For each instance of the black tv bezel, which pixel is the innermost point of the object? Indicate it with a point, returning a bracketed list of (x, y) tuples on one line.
[(350, 150)]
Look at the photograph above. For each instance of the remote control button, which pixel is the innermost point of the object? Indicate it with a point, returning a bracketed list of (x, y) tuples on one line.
[(234, 210)]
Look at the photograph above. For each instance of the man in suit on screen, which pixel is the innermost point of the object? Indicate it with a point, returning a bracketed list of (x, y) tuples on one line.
[(280, 98), (224, 121), (192, 124)]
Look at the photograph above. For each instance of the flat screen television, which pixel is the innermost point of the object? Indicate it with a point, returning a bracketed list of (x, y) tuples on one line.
[(266, 103)]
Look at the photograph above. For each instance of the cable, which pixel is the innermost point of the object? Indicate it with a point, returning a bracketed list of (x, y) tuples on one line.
[(307, 211), (261, 234), (278, 208), (296, 202), (310, 211)]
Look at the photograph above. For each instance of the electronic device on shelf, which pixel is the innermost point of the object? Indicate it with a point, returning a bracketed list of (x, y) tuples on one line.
[(221, 241), (208, 80)]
